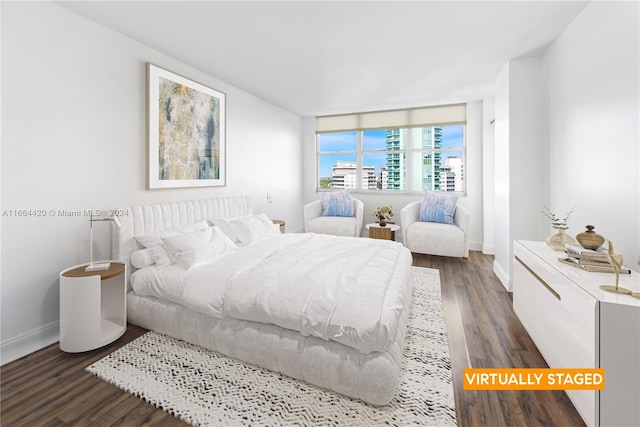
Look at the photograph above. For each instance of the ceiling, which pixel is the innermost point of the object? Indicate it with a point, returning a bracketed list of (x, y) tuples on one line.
[(314, 58)]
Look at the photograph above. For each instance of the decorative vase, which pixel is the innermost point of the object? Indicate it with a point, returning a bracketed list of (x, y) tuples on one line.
[(558, 241), (383, 223), (590, 239)]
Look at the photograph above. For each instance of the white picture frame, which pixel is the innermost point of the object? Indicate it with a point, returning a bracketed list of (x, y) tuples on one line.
[(186, 141)]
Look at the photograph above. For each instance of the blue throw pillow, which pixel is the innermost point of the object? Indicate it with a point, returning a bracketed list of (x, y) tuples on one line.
[(336, 203), (438, 208)]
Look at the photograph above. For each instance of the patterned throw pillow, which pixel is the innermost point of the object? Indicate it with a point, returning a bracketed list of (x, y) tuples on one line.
[(336, 203), (438, 208)]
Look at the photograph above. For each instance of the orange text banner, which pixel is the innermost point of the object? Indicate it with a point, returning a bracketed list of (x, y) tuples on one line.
[(533, 379)]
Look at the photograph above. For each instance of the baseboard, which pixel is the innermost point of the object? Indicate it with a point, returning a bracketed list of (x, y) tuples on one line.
[(475, 246), (24, 344), (488, 250), (503, 276)]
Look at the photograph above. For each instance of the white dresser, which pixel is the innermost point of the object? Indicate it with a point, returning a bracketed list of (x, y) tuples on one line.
[(575, 324)]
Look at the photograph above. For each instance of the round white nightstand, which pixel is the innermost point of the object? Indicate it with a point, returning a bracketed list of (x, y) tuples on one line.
[(388, 232), (93, 307)]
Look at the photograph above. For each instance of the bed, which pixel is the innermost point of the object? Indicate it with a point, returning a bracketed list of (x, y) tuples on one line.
[(331, 311)]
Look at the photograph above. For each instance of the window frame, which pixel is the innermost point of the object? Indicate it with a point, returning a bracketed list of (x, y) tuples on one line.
[(409, 152)]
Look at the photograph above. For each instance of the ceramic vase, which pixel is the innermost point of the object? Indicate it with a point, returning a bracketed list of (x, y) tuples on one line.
[(590, 239), (558, 241)]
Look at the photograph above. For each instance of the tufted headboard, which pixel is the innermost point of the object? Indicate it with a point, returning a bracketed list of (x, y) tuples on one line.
[(137, 220)]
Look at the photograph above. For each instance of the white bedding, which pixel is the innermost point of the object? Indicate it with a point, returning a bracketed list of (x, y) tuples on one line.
[(349, 290), (371, 377)]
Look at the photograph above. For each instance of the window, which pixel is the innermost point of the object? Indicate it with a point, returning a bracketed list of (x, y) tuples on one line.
[(338, 160), (425, 153)]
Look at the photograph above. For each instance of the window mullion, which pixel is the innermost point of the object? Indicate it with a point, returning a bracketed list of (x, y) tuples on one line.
[(359, 160), (408, 153)]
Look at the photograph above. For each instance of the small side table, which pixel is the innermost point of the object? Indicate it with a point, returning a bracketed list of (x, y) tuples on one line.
[(388, 232), (280, 222), (93, 307)]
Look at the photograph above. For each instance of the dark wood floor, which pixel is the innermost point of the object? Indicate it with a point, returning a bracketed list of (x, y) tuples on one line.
[(484, 332), (51, 388)]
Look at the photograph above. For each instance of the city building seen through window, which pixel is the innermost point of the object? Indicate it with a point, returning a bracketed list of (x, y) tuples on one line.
[(396, 159)]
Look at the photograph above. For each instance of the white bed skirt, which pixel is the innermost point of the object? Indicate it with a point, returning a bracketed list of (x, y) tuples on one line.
[(372, 377)]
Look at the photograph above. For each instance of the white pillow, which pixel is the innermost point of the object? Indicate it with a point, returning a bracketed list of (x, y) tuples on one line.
[(142, 258), (155, 239), (161, 256), (199, 247), (150, 256), (189, 228), (220, 242), (270, 227), (223, 223), (253, 229)]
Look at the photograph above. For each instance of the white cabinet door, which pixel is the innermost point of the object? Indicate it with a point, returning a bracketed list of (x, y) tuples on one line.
[(560, 319), (535, 306), (575, 341)]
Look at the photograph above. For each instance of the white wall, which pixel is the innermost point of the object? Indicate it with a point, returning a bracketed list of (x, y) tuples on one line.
[(567, 132), (488, 175), (472, 201), (519, 163), (502, 230), (592, 75), (74, 137)]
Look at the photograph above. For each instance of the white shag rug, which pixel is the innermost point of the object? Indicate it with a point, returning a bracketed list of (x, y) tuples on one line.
[(204, 388)]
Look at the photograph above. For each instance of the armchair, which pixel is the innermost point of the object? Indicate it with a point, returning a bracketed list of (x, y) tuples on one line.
[(314, 222), (435, 238)]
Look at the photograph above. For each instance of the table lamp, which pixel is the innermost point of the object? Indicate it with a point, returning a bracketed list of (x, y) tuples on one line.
[(98, 266)]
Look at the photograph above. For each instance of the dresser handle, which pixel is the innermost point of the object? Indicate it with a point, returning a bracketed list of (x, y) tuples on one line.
[(549, 288)]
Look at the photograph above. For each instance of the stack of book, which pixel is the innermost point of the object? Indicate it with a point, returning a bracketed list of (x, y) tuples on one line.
[(589, 260)]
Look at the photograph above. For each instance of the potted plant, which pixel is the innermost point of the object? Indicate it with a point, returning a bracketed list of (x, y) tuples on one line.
[(560, 239), (384, 214)]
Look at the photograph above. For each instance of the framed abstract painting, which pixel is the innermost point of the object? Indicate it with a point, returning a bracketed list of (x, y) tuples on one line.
[(186, 132)]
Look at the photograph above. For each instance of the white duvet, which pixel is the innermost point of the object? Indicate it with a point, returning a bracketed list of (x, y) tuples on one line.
[(349, 290)]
